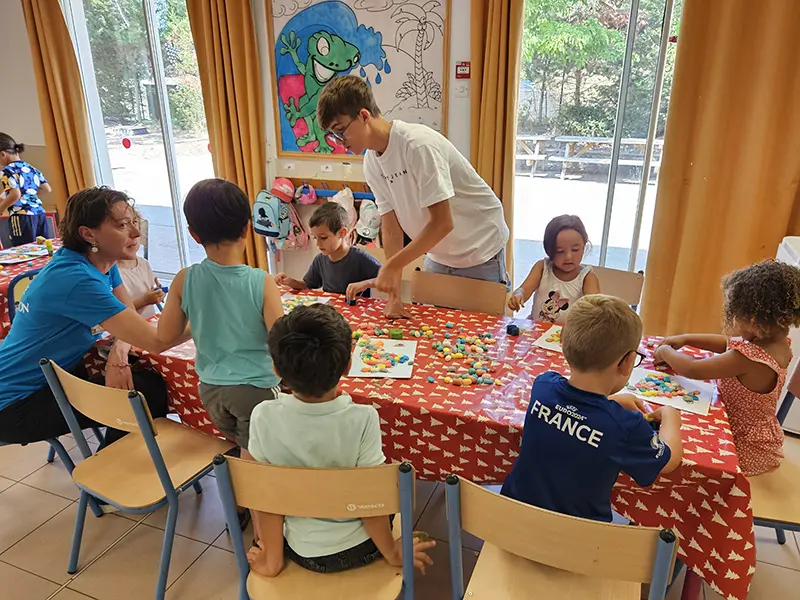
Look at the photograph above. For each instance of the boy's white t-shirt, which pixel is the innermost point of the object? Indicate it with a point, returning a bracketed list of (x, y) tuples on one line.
[(329, 435), (138, 281), (420, 168)]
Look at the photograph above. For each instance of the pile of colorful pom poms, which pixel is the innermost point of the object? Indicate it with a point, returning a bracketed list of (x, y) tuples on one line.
[(658, 384), (367, 329), (478, 373), (555, 337), (289, 304), (376, 360), (464, 347)]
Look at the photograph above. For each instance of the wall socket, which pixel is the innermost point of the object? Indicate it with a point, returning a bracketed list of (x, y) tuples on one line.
[(288, 166), (461, 90), (347, 170), (327, 168)]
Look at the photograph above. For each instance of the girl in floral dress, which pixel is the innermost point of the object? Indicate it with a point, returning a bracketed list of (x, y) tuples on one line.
[(761, 303)]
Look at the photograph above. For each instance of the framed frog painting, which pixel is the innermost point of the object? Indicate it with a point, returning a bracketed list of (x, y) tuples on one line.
[(399, 47)]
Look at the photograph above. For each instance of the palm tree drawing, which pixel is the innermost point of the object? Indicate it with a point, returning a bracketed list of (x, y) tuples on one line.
[(423, 20)]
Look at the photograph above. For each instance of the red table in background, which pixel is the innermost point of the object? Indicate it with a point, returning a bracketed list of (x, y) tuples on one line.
[(475, 433), (7, 273)]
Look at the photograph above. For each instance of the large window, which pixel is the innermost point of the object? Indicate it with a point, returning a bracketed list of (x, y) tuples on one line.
[(578, 150), (140, 76)]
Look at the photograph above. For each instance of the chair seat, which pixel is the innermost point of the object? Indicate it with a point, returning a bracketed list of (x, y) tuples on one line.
[(378, 581), (124, 474), (776, 495), (500, 575)]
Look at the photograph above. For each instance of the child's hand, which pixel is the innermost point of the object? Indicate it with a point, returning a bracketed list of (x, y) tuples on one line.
[(663, 413), (421, 559), (629, 401), (354, 289), (661, 354), (516, 302), (154, 296), (675, 341), (280, 279), (257, 558)]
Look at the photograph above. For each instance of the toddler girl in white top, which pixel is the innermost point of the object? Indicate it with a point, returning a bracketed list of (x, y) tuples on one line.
[(559, 280)]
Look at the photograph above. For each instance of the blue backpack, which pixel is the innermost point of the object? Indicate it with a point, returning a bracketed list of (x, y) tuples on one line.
[(271, 216)]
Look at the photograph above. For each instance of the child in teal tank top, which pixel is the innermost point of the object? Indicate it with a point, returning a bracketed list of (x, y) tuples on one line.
[(230, 307)]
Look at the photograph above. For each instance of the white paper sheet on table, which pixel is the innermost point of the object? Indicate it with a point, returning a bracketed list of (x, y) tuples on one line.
[(291, 301), (543, 343), (399, 371), (707, 391)]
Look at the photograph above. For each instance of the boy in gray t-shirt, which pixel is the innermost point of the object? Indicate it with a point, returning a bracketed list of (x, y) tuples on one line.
[(338, 267)]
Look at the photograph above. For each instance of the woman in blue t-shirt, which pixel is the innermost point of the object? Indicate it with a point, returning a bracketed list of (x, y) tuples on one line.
[(20, 183), (59, 314)]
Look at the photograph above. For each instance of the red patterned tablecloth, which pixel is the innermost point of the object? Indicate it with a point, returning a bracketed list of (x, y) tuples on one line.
[(7, 273), (475, 432)]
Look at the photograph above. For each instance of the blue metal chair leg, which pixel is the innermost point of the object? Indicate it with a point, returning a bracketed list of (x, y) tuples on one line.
[(51, 454), (98, 435), (781, 535), (57, 447), (166, 550), (198, 487), (77, 534)]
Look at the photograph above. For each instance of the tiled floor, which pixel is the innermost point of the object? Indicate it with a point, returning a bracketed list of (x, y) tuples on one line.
[(119, 555)]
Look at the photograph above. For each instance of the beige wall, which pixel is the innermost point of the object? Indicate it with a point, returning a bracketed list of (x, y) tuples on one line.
[(19, 103)]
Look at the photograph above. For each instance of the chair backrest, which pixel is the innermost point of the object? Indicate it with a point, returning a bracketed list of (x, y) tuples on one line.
[(626, 285), (16, 288), (458, 292), (319, 493), (144, 240), (108, 406), (591, 548), (408, 270)]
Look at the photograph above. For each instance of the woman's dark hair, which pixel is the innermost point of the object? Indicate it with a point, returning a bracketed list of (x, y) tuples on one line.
[(88, 208), (556, 226), (310, 348), (7, 144), (331, 214), (762, 298), (217, 211)]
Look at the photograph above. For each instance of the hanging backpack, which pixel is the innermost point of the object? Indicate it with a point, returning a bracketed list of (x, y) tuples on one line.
[(267, 216), (297, 238)]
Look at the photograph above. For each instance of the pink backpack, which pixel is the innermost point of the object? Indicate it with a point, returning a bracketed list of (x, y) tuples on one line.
[(298, 236)]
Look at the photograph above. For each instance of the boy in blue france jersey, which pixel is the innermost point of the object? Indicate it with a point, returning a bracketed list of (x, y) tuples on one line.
[(577, 437)]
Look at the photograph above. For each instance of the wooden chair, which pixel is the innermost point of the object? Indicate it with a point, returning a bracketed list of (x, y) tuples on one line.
[(17, 288), (139, 473), (458, 292), (324, 494), (626, 285), (775, 495), (528, 548)]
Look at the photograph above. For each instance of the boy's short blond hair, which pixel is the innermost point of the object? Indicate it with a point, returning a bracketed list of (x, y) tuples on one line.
[(599, 331)]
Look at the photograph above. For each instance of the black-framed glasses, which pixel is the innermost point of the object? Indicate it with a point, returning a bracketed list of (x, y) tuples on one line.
[(639, 358), (341, 136)]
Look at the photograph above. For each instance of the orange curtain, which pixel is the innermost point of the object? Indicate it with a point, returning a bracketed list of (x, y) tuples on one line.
[(496, 34), (227, 54), (730, 176), (61, 101)]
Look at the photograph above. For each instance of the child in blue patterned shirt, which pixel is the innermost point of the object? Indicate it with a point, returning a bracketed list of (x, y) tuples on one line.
[(21, 183)]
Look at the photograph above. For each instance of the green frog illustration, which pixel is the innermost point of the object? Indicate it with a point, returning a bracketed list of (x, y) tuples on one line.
[(328, 55)]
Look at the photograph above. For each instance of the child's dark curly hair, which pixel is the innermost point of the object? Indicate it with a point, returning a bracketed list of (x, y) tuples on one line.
[(762, 298)]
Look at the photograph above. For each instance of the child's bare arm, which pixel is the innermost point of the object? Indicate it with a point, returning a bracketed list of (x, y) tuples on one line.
[(266, 557), (392, 549), (591, 284), (523, 293), (172, 325), (273, 308), (295, 284), (670, 434), (704, 341), (719, 366)]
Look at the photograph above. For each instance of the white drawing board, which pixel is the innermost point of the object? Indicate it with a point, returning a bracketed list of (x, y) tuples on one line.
[(707, 391), (362, 366)]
